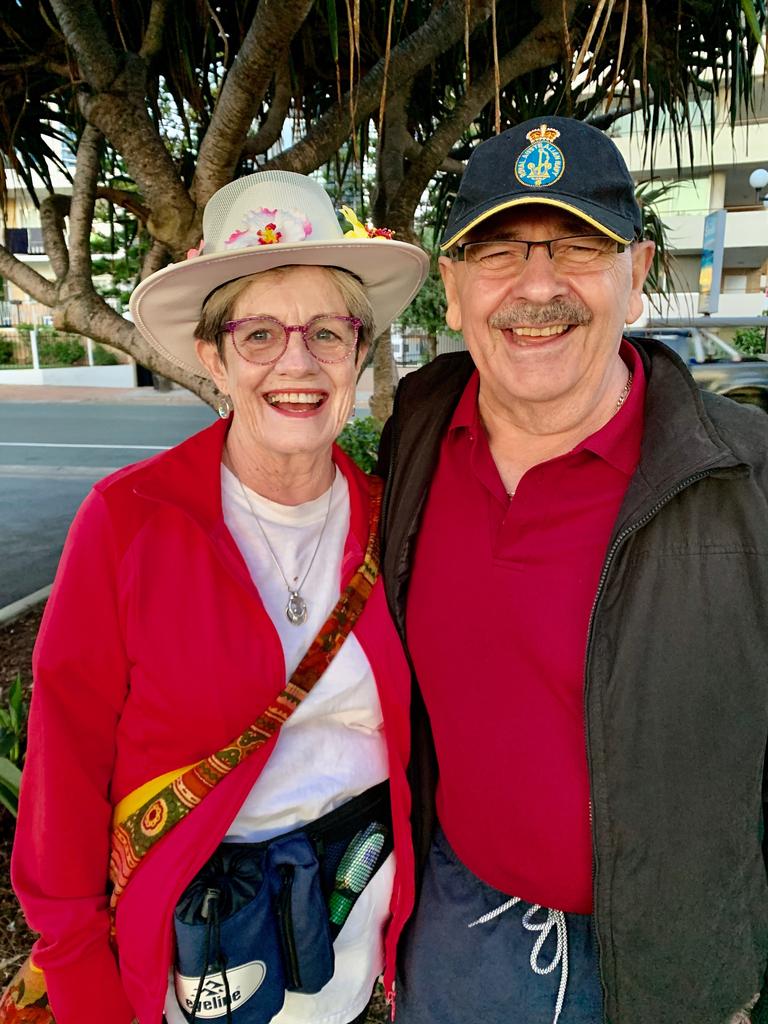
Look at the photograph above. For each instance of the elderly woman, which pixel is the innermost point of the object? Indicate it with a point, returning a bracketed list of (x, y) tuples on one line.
[(217, 680)]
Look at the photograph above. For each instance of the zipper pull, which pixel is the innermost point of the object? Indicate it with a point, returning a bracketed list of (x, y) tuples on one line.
[(211, 896)]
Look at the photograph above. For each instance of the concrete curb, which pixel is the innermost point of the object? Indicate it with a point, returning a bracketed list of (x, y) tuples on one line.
[(24, 604)]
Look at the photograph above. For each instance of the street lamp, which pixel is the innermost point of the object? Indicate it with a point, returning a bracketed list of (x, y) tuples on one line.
[(758, 180)]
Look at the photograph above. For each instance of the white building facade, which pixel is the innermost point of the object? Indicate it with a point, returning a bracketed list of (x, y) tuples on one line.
[(717, 180)]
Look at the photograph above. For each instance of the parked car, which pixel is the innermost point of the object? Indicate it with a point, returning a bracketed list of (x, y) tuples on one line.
[(715, 364)]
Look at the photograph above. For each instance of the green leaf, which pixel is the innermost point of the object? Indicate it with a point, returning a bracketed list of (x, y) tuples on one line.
[(9, 800), (9, 773), (333, 29), (10, 781), (750, 13), (7, 743), (15, 707)]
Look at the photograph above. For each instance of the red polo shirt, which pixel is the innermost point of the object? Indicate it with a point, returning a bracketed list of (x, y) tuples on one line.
[(498, 612)]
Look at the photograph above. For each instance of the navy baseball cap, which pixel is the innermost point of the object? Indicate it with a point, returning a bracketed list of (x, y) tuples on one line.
[(557, 161)]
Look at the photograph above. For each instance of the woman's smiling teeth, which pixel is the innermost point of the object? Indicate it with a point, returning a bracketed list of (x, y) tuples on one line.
[(296, 401)]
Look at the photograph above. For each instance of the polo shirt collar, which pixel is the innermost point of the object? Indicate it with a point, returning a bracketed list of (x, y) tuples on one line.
[(617, 442)]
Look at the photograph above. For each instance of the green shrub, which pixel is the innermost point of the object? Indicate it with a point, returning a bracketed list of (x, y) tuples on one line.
[(750, 340), (360, 440), (13, 725), (6, 352), (61, 352), (103, 357)]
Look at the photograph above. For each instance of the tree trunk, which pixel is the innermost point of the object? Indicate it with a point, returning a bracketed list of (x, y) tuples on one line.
[(385, 379)]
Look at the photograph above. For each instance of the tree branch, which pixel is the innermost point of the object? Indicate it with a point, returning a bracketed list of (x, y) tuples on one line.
[(53, 209), (390, 156), (127, 200), (272, 29), (87, 313), (121, 116), (443, 27), (153, 37), (81, 208), (603, 121), (270, 131), (117, 107), (539, 48), (26, 278), (157, 258), (450, 164), (85, 34)]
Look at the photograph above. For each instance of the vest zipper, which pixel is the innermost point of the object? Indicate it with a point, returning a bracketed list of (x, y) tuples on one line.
[(619, 540)]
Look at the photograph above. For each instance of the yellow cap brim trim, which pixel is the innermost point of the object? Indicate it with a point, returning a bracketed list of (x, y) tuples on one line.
[(540, 200)]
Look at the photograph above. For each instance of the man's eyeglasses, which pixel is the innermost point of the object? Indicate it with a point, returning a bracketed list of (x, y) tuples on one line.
[(263, 339), (572, 254)]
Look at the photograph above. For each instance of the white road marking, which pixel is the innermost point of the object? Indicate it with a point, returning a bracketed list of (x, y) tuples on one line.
[(118, 447)]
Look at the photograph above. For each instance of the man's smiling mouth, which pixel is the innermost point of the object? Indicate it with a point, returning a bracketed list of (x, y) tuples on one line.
[(527, 324), (549, 331)]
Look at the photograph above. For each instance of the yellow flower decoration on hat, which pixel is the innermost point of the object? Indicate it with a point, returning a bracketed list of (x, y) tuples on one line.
[(360, 230)]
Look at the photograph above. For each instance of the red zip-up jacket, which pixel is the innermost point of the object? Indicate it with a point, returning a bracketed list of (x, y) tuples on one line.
[(154, 651)]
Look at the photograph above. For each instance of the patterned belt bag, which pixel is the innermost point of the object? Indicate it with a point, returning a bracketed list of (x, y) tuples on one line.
[(259, 919)]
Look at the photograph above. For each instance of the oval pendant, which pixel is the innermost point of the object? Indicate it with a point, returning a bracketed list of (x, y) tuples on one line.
[(296, 609)]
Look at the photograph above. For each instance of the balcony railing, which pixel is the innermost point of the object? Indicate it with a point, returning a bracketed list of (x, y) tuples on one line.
[(24, 241)]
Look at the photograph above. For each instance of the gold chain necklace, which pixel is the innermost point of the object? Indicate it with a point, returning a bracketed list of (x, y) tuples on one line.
[(621, 400), (625, 393)]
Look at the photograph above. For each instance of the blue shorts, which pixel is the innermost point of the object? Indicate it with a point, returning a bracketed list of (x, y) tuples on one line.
[(450, 973)]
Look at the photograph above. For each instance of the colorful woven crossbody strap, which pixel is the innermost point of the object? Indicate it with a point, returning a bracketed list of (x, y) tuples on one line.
[(135, 835)]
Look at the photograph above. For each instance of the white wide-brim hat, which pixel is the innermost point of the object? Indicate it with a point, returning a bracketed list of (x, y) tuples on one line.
[(265, 220)]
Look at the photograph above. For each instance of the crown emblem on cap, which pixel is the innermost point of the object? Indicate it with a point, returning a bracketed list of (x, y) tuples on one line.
[(542, 163), (543, 132)]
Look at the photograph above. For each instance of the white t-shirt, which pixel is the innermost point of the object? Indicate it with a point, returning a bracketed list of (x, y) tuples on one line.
[(332, 747)]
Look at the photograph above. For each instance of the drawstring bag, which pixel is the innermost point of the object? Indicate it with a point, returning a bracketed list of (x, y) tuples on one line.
[(228, 906), (259, 919)]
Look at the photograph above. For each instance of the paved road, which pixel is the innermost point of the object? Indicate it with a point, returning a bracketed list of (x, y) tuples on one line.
[(50, 454)]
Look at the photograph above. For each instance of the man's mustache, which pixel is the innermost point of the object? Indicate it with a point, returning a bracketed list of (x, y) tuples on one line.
[(558, 311)]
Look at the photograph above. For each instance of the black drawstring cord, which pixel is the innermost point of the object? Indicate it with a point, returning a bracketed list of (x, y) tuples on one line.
[(210, 914), (222, 962), (204, 975)]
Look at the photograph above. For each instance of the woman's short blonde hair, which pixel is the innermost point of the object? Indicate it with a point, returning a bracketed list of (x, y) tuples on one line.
[(219, 306)]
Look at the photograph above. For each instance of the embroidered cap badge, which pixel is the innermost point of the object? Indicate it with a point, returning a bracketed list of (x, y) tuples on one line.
[(541, 163)]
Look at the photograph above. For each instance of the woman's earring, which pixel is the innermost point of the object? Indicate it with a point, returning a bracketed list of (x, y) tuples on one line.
[(224, 407)]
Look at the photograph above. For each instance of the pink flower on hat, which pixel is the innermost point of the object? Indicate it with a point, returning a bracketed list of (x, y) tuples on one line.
[(266, 227)]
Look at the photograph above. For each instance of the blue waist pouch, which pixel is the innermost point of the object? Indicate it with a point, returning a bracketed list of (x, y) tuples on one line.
[(255, 921)]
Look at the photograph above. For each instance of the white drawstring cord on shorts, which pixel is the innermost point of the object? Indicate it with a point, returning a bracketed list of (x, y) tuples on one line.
[(555, 919)]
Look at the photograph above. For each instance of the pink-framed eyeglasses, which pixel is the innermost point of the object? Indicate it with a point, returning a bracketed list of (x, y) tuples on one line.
[(263, 339)]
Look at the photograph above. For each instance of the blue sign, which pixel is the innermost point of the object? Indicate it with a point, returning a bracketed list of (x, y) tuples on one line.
[(711, 270)]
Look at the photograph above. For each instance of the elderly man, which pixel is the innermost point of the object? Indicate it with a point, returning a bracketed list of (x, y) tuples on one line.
[(576, 552)]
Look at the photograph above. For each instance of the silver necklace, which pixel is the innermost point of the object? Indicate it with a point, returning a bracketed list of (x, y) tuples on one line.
[(296, 610), (621, 400)]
